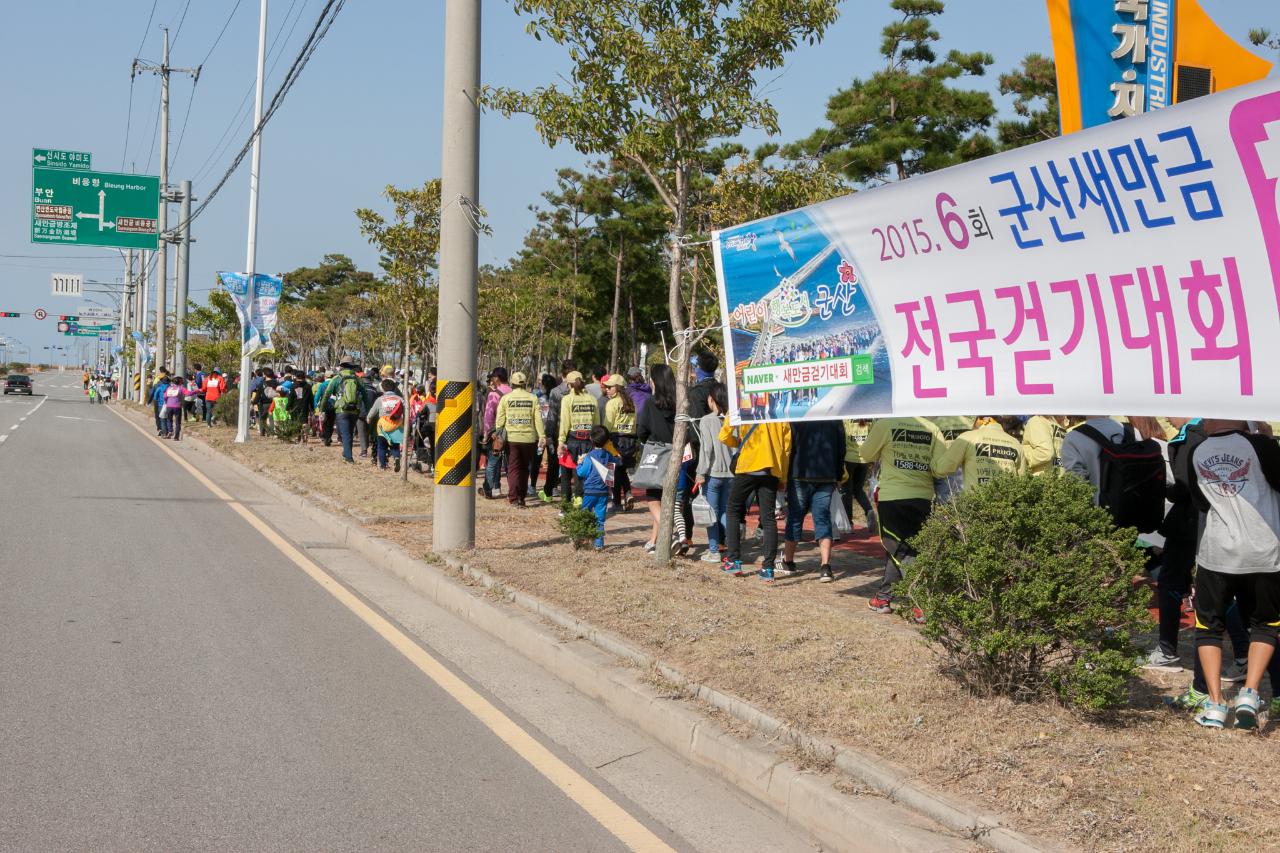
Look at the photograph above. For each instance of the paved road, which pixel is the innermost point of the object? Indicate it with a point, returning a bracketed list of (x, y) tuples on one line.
[(169, 680)]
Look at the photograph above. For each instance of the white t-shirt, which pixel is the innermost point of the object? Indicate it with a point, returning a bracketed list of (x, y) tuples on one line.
[(1242, 527)]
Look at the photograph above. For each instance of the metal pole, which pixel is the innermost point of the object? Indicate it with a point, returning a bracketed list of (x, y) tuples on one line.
[(162, 268), (126, 325), (143, 325), (251, 254), (184, 272), (455, 507)]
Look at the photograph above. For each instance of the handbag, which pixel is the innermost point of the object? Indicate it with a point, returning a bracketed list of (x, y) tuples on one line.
[(651, 470)]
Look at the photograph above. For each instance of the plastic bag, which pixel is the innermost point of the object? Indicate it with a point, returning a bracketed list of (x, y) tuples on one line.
[(840, 523), (704, 515)]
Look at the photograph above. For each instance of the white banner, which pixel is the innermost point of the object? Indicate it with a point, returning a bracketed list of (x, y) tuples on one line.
[(1132, 268), (258, 312)]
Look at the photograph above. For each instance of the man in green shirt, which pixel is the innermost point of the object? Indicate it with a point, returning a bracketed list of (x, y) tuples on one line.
[(908, 450)]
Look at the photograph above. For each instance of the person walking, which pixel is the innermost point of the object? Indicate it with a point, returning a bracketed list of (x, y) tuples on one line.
[(856, 471), (347, 407), (760, 469), (519, 421), (494, 456), (620, 421), (386, 421), (656, 422), (579, 412), (816, 469), (1042, 438), (595, 471), (214, 386), (638, 389), (555, 399), (983, 453), (715, 471), (908, 450), (175, 394)]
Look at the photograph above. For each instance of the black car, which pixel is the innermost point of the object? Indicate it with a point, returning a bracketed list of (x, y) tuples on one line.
[(17, 383)]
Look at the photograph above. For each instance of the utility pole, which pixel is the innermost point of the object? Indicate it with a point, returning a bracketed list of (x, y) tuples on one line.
[(143, 304), (126, 327), (162, 293), (455, 498), (251, 252), (184, 241)]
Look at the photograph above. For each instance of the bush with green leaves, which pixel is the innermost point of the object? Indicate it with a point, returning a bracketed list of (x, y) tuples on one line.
[(1027, 592), (580, 526), (289, 431), (226, 410)]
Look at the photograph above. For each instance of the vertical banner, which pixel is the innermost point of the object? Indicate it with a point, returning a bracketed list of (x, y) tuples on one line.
[(257, 312), (1121, 58), (1130, 268)]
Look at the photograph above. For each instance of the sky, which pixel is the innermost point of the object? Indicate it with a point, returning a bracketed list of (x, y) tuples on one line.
[(365, 114)]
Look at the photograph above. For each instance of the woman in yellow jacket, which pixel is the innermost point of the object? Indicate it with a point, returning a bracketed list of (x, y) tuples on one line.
[(759, 468), (983, 453), (1042, 443)]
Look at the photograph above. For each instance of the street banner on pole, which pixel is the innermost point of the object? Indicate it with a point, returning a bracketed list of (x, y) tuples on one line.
[(1133, 268), (1120, 58), (257, 313)]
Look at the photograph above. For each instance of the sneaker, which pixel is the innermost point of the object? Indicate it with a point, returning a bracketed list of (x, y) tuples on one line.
[(733, 567), (543, 496), (649, 547), (711, 557), (766, 574), (577, 503), (1159, 660), (786, 570), (1191, 700), (1212, 715), (880, 605), (825, 575), (917, 615), (1246, 707), (599, 548), (1233, 673)]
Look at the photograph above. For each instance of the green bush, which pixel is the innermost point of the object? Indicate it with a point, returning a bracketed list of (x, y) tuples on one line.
[(1027, 591), (580, 526), (289, 431), (226, 410)]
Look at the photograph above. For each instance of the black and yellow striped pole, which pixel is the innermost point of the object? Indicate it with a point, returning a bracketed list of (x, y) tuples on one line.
[(455, 434)]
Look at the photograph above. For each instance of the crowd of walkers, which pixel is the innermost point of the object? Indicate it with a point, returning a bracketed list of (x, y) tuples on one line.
[(1204, 494)]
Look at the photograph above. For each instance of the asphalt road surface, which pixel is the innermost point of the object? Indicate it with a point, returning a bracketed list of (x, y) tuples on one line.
[(171, 680)]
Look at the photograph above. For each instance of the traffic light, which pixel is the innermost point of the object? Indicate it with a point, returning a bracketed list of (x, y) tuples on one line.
[(69, 318), (9, 314)]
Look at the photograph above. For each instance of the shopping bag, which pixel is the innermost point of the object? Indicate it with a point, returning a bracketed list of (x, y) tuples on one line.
[(704, 514), (651, 470), (566, 457), (840, 524)]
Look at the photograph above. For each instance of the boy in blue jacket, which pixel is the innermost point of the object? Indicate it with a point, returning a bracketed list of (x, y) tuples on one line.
[(595, 470)]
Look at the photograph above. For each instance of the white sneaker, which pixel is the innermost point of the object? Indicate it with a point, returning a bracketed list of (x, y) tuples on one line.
[(1157, 659), (710, 557), (649, 547)]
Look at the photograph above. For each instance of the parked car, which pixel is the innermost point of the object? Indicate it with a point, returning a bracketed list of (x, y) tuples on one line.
[(17, 383)]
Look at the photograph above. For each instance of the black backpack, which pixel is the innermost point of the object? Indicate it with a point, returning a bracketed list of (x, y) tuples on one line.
[(1131, 485)]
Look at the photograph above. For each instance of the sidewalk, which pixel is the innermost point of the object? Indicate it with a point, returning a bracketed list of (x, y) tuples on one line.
[(814, 656)]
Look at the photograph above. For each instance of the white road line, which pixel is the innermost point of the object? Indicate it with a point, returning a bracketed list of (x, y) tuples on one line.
[(12, 428), (2, 438), (37, 406), (66, 418)]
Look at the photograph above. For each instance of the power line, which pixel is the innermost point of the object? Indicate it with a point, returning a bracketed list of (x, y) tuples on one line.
[(182, 134), (222, 32), (147, 28), (181, 21), (128, 122)]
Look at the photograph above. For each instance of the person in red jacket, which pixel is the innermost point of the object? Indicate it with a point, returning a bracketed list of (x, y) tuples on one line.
[(214, 386)]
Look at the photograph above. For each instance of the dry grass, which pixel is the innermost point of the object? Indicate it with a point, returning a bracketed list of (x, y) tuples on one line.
[(814, 655)]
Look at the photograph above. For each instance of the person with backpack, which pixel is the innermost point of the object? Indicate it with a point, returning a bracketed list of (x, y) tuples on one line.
[(595, 471), (347, 407), (386, 419), (555, 399), (1127, 472), (324, 403), (519, 420)]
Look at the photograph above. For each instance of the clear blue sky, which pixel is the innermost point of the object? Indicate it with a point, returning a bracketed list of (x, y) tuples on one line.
[(364, 114)]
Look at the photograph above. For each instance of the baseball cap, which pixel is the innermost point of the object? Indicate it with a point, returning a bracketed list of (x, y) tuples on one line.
[(573, 376), (635, 374), (519, 378), (616, 381)]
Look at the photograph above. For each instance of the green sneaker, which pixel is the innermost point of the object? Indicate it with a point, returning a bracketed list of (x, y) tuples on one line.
[(1192, 700), (543, 496)]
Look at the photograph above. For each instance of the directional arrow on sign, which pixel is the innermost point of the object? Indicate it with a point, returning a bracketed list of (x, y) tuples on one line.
[(102, 207), (40, 158)]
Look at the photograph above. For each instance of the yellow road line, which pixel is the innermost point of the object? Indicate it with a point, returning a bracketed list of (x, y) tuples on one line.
[(593, 801)]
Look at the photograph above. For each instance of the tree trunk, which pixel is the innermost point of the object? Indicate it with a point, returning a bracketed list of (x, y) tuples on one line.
[(617, 300), (635, 344), (675, 308)]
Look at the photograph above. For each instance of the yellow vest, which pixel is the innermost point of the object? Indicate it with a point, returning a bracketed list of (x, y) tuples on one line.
[(578, 413), (520, 416), (616, 420), (984, 452), (1042, 445), (908, 449), (855, 435)]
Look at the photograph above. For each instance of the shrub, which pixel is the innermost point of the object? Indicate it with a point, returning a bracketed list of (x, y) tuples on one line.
[(580, 526), (1027, 591), (289, 431), (226, 410)]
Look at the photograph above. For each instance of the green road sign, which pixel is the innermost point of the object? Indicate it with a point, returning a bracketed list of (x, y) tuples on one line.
[(55, 159), (95, 329), (83, 208), (81, 333)]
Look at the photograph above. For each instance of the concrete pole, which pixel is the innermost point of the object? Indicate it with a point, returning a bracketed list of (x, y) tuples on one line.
[(455, 508), (251, 253), (184, 281), (162, 268), (144, 305), (123, 334)]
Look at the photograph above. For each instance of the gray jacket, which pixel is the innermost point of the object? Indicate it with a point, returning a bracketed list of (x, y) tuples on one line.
[(716, 457), (1081, 455)]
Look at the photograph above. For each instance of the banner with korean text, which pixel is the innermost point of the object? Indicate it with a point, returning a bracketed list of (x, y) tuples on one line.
[(257, 310), (1131, 268)]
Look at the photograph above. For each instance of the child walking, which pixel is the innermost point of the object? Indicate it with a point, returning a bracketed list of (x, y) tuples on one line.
[(596, 473)]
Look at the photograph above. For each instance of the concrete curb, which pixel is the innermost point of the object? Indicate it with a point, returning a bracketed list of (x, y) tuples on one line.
[(803, 799)]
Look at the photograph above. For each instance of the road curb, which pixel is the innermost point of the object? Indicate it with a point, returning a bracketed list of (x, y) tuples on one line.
[(804, 799)]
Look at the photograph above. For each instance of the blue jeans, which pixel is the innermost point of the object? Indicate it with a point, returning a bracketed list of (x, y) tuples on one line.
[(385, 445), (716, 491), (599, 504), (493, 466), (346, 423), (804, 498)]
